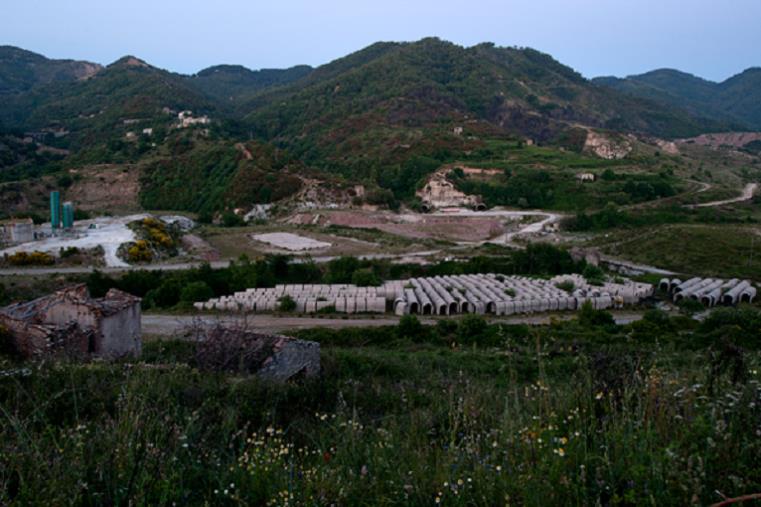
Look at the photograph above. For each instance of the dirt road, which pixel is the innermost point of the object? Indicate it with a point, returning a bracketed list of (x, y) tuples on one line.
[(167, 325), (532, 228), (746, 195)]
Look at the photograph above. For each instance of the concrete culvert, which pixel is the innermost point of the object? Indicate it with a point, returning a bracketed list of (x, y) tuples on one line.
[(427, 308), (452, 308), (664, 285)]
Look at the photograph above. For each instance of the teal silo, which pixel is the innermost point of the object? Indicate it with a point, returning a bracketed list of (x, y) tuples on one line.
[(55, 209), (68, 215)]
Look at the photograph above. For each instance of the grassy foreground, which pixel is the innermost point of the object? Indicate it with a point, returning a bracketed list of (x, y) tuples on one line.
[(659, 412)]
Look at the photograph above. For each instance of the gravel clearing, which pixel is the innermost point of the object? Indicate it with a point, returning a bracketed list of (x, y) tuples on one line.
[(108, 232), (288, 241)]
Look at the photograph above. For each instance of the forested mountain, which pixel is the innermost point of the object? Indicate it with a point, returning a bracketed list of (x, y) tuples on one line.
[(388, 114), (736, 100), (234, 83), (22, 70), (385, 94), (125, 94)]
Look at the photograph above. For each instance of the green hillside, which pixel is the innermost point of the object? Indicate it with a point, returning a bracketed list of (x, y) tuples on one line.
[(394, 92), (235, 83), (22, 70), (736, 100)]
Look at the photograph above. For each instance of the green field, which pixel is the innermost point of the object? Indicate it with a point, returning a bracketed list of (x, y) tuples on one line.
[(726, 250)]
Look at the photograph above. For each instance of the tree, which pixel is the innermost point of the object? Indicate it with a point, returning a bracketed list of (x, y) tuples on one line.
[(196, 291)]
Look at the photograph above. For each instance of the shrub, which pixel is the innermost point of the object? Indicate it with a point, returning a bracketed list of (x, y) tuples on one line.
[(35, 258), (230, 219), (196, 291), (287, 304), (410, 328), (471, 329), (593, 274), (589, 317), (365, 277), (139, 251), (567, 286)]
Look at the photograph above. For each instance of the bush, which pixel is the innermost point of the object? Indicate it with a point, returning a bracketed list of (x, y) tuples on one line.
[(589, 317), (35, 258), (365, 277), (567, 286), (690, 306), (471, 329), (230, 219), (410, 328), (196, 291), (593, 274), (286, 304), (139, 251)]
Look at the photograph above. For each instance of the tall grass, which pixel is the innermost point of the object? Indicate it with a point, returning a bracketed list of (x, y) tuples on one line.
[(548, 417)]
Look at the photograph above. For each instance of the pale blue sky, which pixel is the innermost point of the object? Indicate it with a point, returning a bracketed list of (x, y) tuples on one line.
[(711, 38)]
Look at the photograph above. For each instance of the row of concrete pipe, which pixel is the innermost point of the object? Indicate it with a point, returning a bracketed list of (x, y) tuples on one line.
[(710, 291), (439, 295), (503, 295)]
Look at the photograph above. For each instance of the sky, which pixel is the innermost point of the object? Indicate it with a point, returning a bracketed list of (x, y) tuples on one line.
[(708, 38)]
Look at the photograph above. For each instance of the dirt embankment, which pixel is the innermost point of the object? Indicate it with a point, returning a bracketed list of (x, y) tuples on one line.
[(452, 228), (112, 188), (731, 139)]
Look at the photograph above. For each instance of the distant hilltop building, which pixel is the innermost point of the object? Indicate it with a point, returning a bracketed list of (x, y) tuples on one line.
[(187, 119)]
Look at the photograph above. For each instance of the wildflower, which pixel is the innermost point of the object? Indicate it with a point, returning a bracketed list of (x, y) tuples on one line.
[(598, 396), (561, 452), (499, 468)]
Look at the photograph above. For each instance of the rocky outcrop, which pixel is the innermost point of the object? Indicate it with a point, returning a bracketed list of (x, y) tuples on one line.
[(607, 146), (439, 192)]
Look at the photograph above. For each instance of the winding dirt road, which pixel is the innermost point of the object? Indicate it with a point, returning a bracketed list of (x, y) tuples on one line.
[(746, 195)]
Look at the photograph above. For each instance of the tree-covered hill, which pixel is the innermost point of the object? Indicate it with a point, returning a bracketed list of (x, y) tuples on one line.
[(126, 94), (736, 100), (235, 83), (22, 70), (397, 90)]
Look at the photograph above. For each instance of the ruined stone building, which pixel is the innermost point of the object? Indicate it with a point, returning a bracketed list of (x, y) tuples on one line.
[(72, 322)]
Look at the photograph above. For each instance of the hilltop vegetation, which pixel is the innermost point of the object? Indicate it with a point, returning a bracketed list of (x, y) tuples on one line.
[(235, 84), (21, 70), (385, 116), (736, 100), (205, 176)]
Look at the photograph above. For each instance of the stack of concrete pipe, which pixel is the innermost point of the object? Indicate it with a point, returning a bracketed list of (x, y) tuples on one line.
[(440, 295), (710, 291)]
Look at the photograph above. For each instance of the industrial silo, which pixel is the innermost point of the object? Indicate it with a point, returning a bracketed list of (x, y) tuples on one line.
[(68, 215), (55, 210)]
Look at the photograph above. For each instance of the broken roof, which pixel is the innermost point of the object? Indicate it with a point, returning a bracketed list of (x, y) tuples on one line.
[(114, 301)]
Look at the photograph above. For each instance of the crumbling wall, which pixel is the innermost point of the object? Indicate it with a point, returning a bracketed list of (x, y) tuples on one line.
[(120, 334)]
